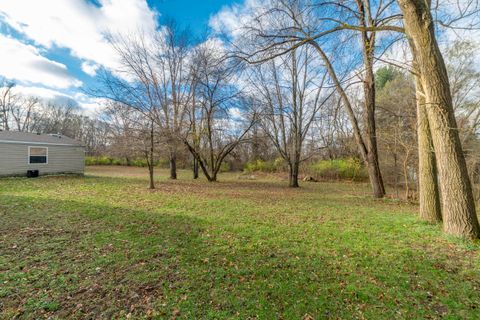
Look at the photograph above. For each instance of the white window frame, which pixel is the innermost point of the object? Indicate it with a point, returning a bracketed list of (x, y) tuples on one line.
[(37, 148)]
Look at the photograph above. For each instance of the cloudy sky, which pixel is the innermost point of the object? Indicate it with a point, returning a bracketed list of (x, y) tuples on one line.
[(55, 47)]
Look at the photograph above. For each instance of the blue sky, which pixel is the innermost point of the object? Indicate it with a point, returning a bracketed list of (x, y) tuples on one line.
[(194, 14), (53, 48)]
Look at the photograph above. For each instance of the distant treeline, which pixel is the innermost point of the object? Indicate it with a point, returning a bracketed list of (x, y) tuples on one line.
[(350, 169)]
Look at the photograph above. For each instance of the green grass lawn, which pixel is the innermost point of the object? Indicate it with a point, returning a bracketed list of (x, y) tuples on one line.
[(104, 246)]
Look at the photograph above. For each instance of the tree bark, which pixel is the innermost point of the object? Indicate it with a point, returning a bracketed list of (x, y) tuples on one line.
[(195, 168), (374, 172), (173, 165), (293, 175), (151, 176), (213, 177), (458, 205), (368, 40), (150, 158), (430, 209)]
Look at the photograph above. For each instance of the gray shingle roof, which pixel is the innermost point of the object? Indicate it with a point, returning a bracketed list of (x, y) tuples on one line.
[(25, 137)]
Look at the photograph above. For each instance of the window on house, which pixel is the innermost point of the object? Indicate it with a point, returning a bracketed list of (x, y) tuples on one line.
[(37, 155)]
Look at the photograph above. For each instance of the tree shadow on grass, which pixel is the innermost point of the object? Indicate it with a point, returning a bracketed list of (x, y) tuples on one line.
[(73, 259)]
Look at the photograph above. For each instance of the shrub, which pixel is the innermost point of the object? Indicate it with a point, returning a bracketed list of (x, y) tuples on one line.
[(109, 161), (139, 163), (165, 163), (264, 166), (105, 161), (225, 167), (339, 169), (90, 161), (254, 165), (116, 162)]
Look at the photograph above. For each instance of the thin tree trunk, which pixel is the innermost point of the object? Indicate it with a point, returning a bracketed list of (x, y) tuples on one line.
[(458, 205), (429, 197), (195, 168), (293, 175), (173, 165), (290, 175), (150, 159), (213, 177), (215, 169), (405, 174), (200, 162), (395, 167), (204, 169), (151, 176)]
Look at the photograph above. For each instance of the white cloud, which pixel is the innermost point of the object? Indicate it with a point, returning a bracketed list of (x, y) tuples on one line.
[(78, 25), (25, 63), (90, 68), (235, 113), (215, 46), (39, 92), (91, 106), (231, 19)]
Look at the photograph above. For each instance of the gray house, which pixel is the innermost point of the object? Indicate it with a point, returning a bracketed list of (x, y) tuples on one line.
[(47, 153)]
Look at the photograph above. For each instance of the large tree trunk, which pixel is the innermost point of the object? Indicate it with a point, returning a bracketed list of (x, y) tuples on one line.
[(173, 165), (458, 205), (375, 175), (429, 197)]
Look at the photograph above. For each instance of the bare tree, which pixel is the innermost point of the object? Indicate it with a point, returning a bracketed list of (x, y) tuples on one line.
[(465, 85), (214, 127), (133, 136), (149, 150), (7, 100), (291, 91), (136, 86), (397, 122), (172, 48), (25, 112), (290, 24), (155, 71), (125, 123)]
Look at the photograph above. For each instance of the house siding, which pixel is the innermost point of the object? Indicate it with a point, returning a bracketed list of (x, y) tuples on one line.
[(61, 159)]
